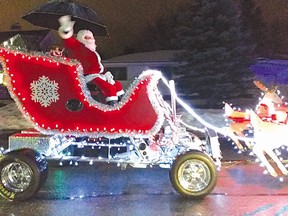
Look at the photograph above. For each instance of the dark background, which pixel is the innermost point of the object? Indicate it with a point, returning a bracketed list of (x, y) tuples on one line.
[(129, 20)]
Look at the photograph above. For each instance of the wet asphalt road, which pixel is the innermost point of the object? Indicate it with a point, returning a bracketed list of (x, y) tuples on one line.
[(105, 189)]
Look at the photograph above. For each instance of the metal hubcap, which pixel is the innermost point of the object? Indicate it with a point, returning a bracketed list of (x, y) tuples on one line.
[(194, 175), (16, 176)]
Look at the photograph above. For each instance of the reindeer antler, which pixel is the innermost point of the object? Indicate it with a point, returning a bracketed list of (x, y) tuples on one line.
[(273, 88), (260, 85)]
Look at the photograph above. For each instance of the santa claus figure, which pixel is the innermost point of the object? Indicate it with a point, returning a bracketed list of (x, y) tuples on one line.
[(84, 49)]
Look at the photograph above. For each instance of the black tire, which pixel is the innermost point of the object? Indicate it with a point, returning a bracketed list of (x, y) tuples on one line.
[(22, 173), (193, 174)]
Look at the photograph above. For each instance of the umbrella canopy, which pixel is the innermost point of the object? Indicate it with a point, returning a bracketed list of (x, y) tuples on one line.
[(271, 71), (47, 16)]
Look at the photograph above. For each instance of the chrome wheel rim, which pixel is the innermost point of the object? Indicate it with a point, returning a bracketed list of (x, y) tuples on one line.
[(16, 176), (194, 175)]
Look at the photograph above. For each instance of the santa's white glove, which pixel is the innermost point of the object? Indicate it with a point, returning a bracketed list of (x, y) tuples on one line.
[(109, 77), (66, 27)]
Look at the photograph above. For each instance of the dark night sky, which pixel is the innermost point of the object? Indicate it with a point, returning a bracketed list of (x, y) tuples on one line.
[(124, 18)]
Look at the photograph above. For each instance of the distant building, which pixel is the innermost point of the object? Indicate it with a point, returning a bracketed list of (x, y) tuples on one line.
[(37, 40), (127, 67)]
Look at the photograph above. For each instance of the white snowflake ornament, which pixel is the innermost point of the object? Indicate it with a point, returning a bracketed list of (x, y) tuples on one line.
[(44, 91)]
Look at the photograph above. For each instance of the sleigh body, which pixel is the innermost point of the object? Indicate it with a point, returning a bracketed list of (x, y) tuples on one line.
[(52, 94)]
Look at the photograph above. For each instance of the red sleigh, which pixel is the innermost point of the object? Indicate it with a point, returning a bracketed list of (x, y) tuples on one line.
[(141, 130), (52, 94)]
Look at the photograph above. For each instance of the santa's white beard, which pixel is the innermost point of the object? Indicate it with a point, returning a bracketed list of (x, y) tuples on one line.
[(90, 46)]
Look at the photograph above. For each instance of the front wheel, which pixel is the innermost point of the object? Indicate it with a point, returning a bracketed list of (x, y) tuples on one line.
[(193, 174), (22, 173)]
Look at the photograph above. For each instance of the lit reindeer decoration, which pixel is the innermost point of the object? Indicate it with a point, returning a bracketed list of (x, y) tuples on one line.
[(267, 137), (268, 104), (240, 122), (269, 107)]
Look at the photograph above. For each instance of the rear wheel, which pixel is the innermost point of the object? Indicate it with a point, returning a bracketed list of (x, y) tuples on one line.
[(193, 174), (22, 173)]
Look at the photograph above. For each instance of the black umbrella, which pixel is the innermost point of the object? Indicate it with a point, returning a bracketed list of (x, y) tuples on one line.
[(47, 16)]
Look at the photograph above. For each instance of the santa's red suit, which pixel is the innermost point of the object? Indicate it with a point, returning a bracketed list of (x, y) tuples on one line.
[(84, 49)]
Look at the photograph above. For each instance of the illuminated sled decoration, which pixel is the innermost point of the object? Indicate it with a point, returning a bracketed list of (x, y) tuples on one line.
[(141, 130), (53, 96)]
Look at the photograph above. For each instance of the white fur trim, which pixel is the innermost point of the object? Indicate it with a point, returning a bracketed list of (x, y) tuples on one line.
[(112, 98), (119, 93), (90, 77), (99, 61)]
